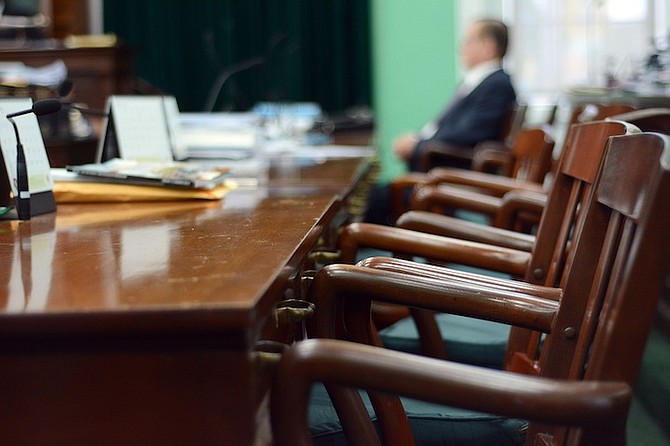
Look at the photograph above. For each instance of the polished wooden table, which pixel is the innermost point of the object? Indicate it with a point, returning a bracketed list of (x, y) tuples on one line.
[(136, 324)]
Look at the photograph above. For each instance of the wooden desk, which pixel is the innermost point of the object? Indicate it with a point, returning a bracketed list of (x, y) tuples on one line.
[(135, 324)]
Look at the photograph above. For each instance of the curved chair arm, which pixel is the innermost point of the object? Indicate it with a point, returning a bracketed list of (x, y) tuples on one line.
[(437, 292), (429, 222), (429, 271), (600, 408), (445, 196), (491, 183), (437, 152), (445, 249)]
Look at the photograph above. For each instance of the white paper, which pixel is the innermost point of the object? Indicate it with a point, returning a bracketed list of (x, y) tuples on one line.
[(37, 162), (141, 128)]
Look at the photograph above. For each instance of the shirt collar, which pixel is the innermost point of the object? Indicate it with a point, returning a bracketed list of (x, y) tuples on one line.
[(478, 73)]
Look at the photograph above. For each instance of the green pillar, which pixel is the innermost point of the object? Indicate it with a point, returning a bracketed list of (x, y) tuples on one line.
[(414, 51)]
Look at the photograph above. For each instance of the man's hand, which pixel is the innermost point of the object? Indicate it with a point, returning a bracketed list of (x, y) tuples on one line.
[(404, 145)]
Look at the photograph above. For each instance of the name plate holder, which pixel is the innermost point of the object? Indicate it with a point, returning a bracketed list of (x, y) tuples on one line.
[(138, 128), (40, 181)]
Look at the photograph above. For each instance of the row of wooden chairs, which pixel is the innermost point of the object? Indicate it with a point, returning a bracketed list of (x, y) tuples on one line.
[(627, 197)]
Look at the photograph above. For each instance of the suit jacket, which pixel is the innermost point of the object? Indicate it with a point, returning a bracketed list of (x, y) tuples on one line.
[(477, 117)]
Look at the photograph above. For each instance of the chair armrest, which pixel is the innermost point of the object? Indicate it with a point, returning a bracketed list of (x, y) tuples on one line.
[(495, 184), (446, 196), (436, 153), (435, 291), (445, 249), (600, 408), (431, 272), (443, 225)]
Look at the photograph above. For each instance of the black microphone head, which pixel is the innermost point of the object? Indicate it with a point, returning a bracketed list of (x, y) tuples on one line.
[(65, 88), (46, 106)]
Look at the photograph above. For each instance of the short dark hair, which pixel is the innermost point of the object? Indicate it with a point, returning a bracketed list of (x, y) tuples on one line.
[(496, 30)]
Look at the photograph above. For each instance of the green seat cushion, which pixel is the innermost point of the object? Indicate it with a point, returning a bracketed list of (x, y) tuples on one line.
[(653, 384), (432, 424), (468, 340)]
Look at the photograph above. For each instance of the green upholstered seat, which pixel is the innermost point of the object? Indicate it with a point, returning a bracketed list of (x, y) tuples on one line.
[(653, 384), (432, 424), (468, 340)]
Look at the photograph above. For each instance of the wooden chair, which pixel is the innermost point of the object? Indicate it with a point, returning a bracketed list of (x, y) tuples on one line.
[(527, 158), (596, 325), (653, 120), (494, 171), (438, 153), (647, 119), (538, 260), (598, 112)]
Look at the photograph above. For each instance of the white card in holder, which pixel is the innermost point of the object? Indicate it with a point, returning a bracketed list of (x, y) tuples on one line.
[(40, 181), (136, 129)]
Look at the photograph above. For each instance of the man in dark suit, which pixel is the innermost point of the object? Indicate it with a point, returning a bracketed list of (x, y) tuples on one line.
[(479, 107), (475, 114)]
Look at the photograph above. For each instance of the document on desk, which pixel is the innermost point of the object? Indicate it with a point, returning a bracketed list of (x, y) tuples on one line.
[(168, 173), (328, 151), (231, 136)]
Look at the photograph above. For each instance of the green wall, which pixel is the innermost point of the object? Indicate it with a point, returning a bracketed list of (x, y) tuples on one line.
[(414, 71)]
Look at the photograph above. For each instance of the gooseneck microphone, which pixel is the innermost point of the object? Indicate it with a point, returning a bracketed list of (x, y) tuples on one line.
[(22, 198), (41, 107)]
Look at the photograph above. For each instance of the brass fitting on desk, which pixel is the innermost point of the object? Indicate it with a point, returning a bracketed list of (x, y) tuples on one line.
[(323, 257), (292, 311), (268, 353)]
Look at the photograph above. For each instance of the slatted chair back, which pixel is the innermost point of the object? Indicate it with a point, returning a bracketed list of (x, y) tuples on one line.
[(617, 267), (561, 218), (532, 155)]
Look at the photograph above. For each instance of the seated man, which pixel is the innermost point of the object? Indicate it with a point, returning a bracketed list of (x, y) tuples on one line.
[(475, 114), (479, 107)]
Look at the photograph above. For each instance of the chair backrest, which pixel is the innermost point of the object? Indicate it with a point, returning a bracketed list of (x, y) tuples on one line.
[(617, 268), (655, 119), (532, 153), (550, 258), (597, 112), (513, 122), (528, 158), (647, 119)]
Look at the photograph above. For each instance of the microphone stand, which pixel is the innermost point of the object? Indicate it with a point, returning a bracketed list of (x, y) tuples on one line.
[(22, 198), (224, 76)]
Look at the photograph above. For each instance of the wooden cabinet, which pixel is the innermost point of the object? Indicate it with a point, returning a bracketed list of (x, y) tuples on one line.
[(96, 72)]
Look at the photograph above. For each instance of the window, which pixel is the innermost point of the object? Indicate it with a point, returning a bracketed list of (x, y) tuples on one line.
[(574, 43)]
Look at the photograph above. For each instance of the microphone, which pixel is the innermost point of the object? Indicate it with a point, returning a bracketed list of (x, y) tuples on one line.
[(40, 108), (22, 199)]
